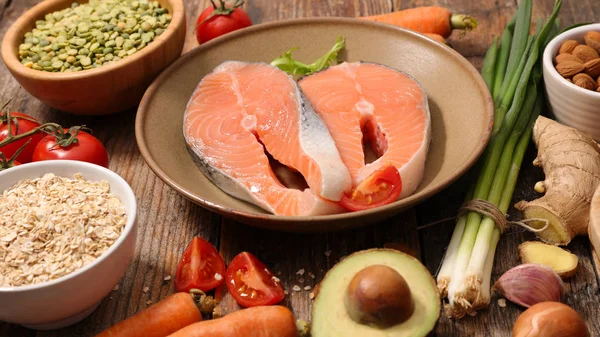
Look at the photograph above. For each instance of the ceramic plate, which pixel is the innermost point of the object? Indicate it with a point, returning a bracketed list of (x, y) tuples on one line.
[(460, 104)]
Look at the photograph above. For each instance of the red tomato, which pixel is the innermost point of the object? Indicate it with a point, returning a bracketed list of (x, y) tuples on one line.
[(380, 188), (216, 21), (25, 123), (201, 267), (251, 283), (87, 148)]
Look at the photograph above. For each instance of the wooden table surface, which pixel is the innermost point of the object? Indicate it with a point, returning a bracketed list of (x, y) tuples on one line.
[(167, 221)]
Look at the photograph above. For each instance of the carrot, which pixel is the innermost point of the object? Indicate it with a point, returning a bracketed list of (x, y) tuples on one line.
[(432, 19), (159, 320), (436, 37), (261, 321)]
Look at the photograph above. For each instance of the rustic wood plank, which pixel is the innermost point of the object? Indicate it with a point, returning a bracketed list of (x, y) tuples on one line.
[(166, 221)]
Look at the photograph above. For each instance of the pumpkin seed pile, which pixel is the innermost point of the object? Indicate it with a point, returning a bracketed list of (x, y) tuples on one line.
[(86, 36)]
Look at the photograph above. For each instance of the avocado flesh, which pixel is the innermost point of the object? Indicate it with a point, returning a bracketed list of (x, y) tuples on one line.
[(329, 316)]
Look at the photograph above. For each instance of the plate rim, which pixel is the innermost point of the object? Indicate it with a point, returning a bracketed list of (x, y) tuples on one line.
[(253, 217)]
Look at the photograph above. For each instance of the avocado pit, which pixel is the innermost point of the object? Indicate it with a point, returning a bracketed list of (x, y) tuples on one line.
[(379, 296)]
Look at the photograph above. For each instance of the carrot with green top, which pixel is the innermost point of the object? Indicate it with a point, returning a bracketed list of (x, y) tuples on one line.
[(429, 20), (261, 321), (159, 320)]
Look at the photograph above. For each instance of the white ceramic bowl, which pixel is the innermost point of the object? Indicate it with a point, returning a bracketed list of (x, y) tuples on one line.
[(572, 105), (71, 298)]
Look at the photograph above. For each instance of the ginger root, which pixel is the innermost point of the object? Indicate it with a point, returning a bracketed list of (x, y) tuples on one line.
[(571, 162), (594, 230), (562, 261)]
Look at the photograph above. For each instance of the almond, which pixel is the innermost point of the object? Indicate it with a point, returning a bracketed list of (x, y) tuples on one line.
[(569, 68), (569, 80), (585, 81), (567, 47), (598, 80), (592, 39), (585, 53), (598, 90), (566, 57), (592, 67)]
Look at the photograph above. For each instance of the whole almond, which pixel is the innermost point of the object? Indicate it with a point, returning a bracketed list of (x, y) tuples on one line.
[(585, 53), (566, 57), (598, 81), (592, 67), (569, 68), (585, 81), (567, 47), (592, 39)]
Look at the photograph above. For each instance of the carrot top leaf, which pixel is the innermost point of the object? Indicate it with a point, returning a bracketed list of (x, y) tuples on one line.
[(287, 63)]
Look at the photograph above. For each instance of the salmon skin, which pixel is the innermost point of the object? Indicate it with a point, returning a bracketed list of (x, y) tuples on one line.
[(241, 110), (370, 103)]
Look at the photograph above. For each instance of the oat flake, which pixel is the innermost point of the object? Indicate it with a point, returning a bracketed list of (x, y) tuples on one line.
[(52, 226)]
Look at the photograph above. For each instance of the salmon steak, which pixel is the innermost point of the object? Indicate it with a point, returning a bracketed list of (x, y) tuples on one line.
[(366, 103), (241, 111)]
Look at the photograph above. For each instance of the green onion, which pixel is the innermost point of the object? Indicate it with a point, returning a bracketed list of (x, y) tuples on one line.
[(489, 64), (465, 271), (502, 61)]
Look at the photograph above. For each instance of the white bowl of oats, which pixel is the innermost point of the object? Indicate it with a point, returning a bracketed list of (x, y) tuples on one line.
[(67, 235)]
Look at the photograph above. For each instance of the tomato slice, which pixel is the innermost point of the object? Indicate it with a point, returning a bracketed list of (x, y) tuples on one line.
[(380, 188), (201, 267), (251, 283)]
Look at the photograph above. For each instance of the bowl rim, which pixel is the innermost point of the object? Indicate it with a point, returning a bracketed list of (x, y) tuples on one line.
[(551, 50), (9, 51), (307, 220), (127, 230)]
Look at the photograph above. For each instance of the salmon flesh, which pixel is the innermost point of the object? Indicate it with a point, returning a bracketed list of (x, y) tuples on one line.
[(371, 104), (241, 110)]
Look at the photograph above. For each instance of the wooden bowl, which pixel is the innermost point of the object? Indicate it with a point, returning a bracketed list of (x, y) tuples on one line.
[(459, 101), (103, 90)]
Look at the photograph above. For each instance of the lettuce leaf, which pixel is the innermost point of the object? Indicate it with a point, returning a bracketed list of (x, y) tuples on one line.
[(293, 67)]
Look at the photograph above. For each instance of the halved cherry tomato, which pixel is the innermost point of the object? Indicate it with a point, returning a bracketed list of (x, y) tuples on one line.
[(201, 267), (251, 283), (380, 188)]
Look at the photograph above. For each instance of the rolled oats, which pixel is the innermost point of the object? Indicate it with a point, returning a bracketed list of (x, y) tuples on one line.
[(52, 226)]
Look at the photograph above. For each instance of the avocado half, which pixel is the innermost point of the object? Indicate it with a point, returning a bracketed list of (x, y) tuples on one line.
[(331, 319)]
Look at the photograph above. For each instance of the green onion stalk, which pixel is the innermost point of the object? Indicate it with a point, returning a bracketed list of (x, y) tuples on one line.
[(465, 273)]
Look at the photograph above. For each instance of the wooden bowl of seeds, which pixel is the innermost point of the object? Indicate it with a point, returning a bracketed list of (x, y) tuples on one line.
[(93, 58)]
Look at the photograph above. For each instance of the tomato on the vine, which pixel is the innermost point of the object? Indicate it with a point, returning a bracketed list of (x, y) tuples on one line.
[(71, 144), (251, 283), (380, 188), (20, 123), (201, 267), (221, 19)]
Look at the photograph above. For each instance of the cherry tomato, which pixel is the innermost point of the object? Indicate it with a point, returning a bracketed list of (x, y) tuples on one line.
[(251, 283), (82, 147), (24, 124), (222, 19), (201, 267), (380, 188)]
